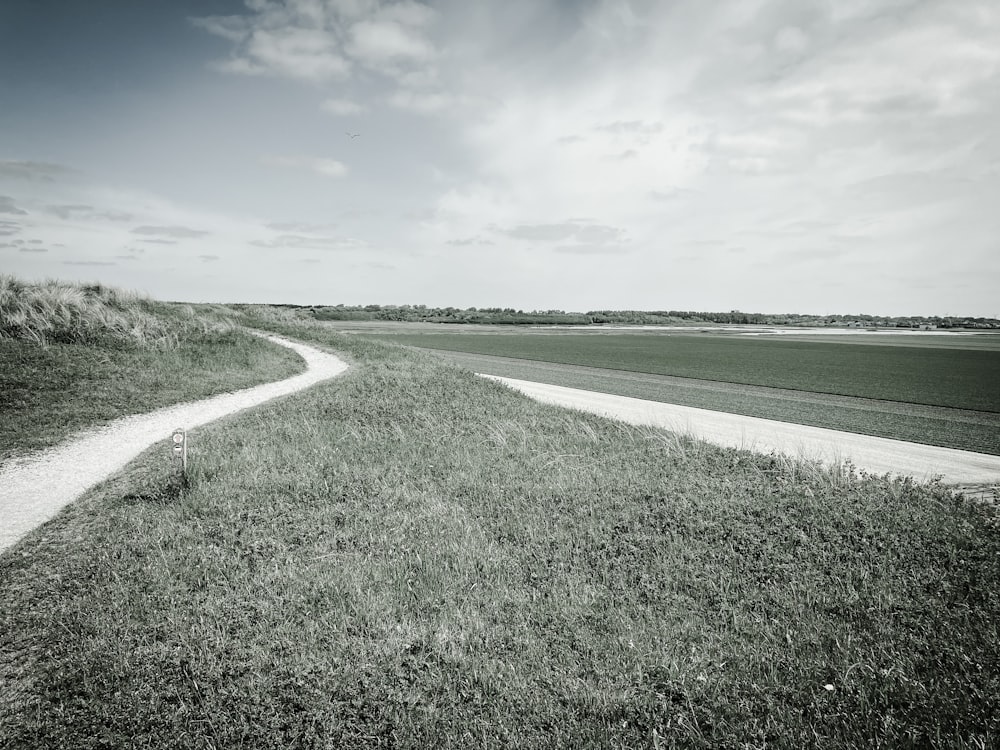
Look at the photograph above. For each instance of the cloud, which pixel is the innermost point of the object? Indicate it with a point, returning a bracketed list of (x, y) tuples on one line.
[(421, 102), (670, 194), (33, 249), (176, 232), (208, 258), (37, 171), (585, 249), (383, 43), (791, 39), (583, 233), (632, 127), (7, 206), (465, 242), (299, 227), (321, 41), (292, 53), (159, 242), (320, 165), (68, 212), (8, 228), (342, 107), (89, 263), (541, 232), (84, 212), (297, 241)]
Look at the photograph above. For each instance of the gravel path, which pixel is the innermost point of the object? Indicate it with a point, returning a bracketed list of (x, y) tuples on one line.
[(874, 454), (34, 488)]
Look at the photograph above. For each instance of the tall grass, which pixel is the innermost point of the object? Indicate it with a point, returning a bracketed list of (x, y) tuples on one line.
[(70, 313)]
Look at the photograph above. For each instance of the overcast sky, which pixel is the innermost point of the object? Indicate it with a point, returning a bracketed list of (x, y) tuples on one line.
[(836, 156)]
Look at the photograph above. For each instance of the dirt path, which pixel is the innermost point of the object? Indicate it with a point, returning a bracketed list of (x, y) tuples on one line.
[(874, 454), (34, 488)]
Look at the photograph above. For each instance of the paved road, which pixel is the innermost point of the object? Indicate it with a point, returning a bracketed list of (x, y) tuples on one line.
[(36, 487), (874, 454)]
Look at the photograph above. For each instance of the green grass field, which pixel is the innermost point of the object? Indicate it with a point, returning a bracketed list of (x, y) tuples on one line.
[(409, 556), (956, 378), (932, 425)]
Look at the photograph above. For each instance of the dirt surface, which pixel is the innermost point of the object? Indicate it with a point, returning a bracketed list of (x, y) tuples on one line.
[(873, 454), (34, 488)]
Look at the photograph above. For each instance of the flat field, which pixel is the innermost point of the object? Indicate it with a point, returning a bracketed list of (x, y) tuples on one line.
[(939, 390)]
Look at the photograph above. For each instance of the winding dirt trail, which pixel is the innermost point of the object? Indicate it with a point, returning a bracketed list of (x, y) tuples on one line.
[(34, 488), (874, 454)]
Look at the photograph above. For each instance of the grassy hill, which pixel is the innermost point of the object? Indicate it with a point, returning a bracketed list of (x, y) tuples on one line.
[(76, 355)]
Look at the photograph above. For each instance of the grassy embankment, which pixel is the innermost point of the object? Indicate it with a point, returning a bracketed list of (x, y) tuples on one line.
[(410, 556), (75, 355), (934, 394)]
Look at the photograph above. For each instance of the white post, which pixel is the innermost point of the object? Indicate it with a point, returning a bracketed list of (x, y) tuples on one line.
[(180, 449)]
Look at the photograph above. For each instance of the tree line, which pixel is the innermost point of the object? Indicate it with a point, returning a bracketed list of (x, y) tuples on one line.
[(512, 316)]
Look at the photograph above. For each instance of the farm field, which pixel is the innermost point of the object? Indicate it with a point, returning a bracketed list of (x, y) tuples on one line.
[(954, 378), (932, 425), (942, 393)]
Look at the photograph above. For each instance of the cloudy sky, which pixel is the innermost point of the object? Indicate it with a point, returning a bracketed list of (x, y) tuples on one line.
[(764, 155)]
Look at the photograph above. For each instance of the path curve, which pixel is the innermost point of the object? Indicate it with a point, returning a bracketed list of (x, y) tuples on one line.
[(35, 487), (874, 454)]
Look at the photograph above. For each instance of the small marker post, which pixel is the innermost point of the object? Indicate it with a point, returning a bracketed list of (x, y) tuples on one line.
[(180, 449)]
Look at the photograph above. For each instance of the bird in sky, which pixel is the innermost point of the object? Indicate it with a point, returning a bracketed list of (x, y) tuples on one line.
[(353, 135)]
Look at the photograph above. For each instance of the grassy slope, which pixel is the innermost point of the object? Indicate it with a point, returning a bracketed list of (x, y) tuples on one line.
[(932, 425), (956, 378), (410, 556), (47, 393)]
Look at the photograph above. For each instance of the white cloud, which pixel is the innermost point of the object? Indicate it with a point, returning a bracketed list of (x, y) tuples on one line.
[(377, 43), (421, 102), (322, 41), (311, 242), (173, 232), (296, 53), (342, 107), (318, 164)]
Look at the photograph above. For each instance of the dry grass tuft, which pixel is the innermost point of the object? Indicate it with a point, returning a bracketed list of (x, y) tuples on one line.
[(61, 312)]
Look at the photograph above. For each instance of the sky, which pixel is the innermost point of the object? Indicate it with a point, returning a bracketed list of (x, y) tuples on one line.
[(810, 156)]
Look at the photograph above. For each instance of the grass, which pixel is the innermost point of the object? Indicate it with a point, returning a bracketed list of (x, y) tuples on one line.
[(931, 425), (953, 378), (62, 371), (70, 313), (410, 556)]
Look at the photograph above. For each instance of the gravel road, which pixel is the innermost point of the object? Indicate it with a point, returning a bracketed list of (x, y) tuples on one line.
[(34, 488), (874, 454)]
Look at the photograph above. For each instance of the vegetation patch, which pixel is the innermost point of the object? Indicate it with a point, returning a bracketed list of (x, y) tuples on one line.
[(956, 378), (410, 556), (932, 425), (74, 356)]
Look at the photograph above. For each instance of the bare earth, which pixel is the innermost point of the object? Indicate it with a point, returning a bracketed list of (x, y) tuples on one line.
[(873, 454), (34, 488)]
